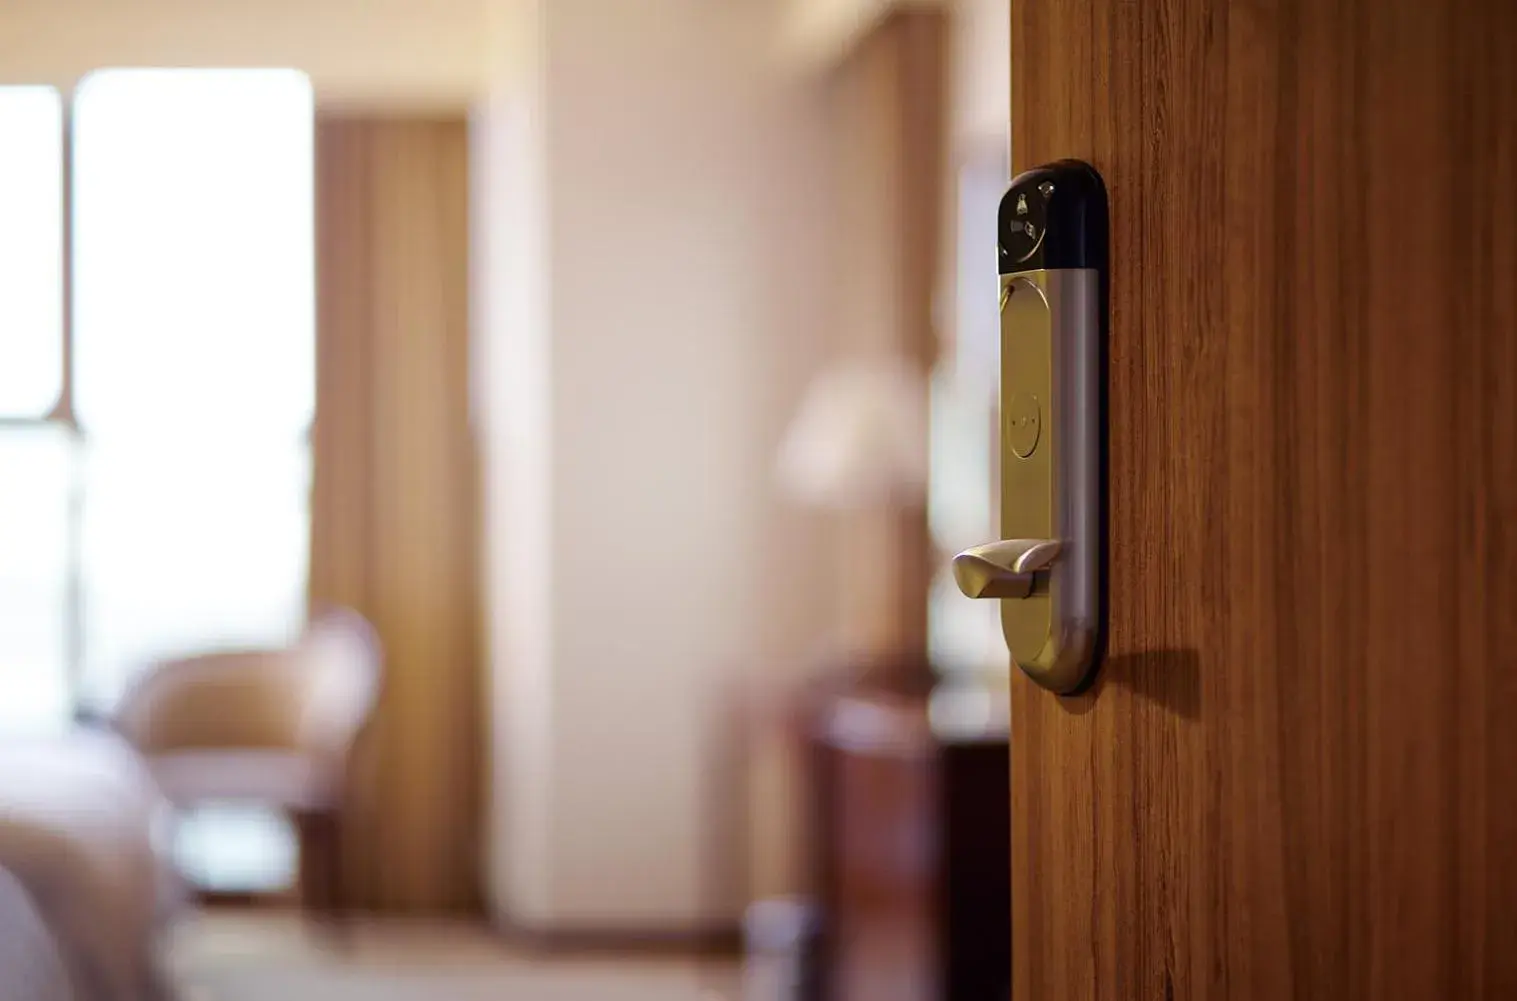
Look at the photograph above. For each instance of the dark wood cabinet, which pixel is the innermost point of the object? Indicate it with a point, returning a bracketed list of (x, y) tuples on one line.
[(911, 821)]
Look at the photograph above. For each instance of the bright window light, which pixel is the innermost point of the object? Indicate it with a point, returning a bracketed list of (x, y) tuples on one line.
[(36, 459), (194, 320), (193, 254), (36, 482), (31, 250)]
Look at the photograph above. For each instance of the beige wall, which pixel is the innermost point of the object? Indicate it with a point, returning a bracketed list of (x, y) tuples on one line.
[(363, 52), (818, 34), (671, 180), (982, 77), (511, 393)]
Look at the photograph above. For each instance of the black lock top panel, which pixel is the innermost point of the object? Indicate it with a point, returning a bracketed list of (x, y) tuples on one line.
[(1053, 216)]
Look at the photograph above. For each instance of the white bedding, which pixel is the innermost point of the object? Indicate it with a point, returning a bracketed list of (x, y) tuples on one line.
[(31, 967), (83, 828)]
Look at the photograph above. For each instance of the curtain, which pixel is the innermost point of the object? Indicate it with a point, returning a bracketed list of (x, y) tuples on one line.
[(394, 500)]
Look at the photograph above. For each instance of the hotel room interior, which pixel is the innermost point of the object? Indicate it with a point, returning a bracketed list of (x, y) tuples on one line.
[(475, 481)]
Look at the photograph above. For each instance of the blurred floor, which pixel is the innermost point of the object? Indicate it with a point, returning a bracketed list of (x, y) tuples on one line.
[(272, 956)]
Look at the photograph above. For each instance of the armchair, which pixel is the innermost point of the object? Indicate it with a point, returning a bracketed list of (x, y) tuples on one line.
[(272, 726)]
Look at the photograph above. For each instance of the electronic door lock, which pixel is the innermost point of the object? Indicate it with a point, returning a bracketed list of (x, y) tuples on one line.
[(1050, 569)]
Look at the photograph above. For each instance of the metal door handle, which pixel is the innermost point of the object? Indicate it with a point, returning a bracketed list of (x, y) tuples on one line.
[(1005, 569)]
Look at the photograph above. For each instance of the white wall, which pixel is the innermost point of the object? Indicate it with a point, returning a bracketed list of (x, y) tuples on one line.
[(423, 53), (681, 180)]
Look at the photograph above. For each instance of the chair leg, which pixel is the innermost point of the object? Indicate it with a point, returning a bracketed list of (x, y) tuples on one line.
[(323, 890), (337, 886)]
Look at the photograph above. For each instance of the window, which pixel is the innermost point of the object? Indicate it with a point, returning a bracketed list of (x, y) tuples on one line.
[(154, 459), (194, 319), (36, 495), (31, 250), (36, 453)]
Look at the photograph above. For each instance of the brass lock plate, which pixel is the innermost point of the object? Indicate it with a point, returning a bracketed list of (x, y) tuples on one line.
[(1050, 473)]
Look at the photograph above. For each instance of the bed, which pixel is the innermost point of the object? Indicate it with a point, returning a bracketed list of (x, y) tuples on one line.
[(83, 835), (31, 965)]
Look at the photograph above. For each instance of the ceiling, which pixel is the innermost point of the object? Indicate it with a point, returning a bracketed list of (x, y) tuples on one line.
[(365, 52)]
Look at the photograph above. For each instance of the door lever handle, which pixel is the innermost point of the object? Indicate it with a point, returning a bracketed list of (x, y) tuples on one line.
[(1004, 569)]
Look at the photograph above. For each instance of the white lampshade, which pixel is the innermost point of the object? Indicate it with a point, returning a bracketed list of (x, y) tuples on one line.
[(859, 439)]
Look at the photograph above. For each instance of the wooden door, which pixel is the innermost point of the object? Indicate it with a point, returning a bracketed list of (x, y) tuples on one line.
[(1297, 775)]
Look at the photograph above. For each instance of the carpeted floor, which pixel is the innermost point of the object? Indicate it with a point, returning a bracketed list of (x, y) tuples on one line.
[(263, 957)]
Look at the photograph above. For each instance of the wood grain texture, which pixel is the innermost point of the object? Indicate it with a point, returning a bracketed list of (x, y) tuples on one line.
[(394, 499), (1294, 778)]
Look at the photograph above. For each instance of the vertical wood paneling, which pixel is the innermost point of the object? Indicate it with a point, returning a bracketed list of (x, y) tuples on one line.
[(394, 525), (1292, 779)]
